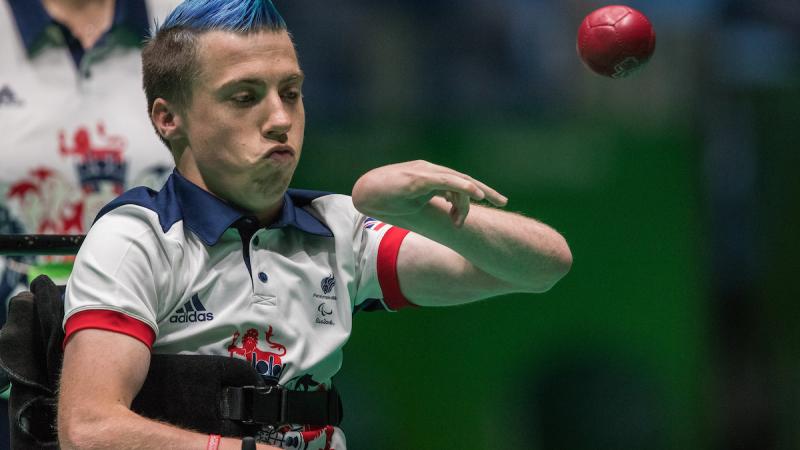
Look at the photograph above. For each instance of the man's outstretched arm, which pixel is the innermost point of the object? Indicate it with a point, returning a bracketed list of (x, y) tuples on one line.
[(459, 252)]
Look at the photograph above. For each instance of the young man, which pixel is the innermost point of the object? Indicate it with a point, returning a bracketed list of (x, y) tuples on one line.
[(224, 251)]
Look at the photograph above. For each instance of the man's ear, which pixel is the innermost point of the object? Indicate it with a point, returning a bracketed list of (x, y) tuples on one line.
[(167, 120)]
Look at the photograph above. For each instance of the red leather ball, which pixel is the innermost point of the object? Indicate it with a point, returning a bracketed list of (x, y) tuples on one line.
[(616, 40)]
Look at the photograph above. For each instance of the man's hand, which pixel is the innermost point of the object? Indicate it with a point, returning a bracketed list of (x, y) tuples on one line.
[(406, 188)]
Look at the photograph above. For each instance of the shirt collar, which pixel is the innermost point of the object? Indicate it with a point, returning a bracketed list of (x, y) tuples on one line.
[(208, 217), (132, 16), (32, 19)]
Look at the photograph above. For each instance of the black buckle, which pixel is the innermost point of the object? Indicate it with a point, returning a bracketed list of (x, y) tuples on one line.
[(275, 405), (265, 404)]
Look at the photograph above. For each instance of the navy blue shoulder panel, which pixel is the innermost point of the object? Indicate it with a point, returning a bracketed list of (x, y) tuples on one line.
[(304, 197), (164, 203), (209, 217)]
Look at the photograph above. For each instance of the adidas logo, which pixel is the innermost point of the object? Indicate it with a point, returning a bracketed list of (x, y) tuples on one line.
[(191, 312)]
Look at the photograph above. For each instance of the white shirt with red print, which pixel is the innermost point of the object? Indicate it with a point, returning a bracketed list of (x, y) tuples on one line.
[(74, 123), (186, 273)]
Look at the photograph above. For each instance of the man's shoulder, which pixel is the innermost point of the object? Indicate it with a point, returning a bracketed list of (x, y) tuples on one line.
[(136, 220), (145, 205), (336, 211), (306, 197), (325, 205)]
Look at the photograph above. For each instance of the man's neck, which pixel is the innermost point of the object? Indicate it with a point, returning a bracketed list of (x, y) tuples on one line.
[(269, 216), (86, 19)]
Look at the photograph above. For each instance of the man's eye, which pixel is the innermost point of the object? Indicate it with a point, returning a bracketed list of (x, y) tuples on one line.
[(243, 98), (292, 96)]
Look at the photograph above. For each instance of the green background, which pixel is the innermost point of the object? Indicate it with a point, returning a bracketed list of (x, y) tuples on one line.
[(625, 197)]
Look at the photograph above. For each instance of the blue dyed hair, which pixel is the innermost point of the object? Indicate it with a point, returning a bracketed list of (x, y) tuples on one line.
[(230, 15), (169, 59)]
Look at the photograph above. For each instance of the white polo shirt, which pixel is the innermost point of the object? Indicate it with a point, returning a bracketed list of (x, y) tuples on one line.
[(187, 273)]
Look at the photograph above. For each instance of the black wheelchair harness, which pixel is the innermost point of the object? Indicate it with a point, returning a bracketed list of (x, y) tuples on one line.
[(209, 394)]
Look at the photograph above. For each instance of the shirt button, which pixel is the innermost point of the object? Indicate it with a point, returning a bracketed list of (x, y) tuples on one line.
[(263, 277), (256, 240)]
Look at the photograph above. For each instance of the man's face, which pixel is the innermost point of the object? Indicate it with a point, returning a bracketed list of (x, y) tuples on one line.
[(246, 119)]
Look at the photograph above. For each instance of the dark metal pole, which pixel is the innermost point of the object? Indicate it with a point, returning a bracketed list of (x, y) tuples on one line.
[(39, 244)]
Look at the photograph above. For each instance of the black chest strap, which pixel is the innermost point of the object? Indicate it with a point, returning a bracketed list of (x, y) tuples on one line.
[(273, 405)]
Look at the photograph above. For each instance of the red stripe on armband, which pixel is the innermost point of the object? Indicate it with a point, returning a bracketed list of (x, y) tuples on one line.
[(387, 268), (103, 319)]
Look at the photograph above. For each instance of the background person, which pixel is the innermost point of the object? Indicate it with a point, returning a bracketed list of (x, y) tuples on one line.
[(73, 135)]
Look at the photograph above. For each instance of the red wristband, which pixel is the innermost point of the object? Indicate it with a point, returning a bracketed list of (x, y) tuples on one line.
[(213, 441)]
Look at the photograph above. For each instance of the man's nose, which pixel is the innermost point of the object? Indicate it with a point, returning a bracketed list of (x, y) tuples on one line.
[(279, 121)]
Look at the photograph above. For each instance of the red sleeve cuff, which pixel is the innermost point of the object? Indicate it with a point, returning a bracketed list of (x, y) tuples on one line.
[(102, 319), (387, 269)]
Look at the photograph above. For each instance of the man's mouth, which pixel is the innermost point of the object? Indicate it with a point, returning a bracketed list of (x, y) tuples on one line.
[(280, 153)]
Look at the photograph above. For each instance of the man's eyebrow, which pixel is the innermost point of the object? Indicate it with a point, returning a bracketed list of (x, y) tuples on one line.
[(238, 81), (295, 77), (292, 78)]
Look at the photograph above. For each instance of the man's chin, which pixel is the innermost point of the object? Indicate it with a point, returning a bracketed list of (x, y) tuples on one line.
[(273, 183), (266, 194)]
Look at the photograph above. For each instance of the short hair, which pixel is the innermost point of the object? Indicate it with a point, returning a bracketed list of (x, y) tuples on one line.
[(169, 57)]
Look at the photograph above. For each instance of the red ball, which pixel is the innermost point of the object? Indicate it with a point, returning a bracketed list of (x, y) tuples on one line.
[(616, 40)]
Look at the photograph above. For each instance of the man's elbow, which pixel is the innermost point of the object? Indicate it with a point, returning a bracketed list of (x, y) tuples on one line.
[(556, 266), (72, 433), (80, 430), (562, 264)]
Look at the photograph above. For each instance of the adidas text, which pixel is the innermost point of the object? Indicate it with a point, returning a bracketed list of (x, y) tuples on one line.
[(192, 317)]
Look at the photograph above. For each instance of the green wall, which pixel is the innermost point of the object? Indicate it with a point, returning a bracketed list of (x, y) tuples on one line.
[(613, 356)]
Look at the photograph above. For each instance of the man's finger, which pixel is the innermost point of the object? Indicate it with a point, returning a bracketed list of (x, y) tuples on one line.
[(460, 209), (489, 194), (451, 182)]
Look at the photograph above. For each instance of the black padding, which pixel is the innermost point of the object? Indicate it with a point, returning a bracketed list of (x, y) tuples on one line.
[(31, 339), (30, 352), (177, 382)]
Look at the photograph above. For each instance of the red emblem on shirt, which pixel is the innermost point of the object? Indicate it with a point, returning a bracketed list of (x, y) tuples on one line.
[(267, 363)]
